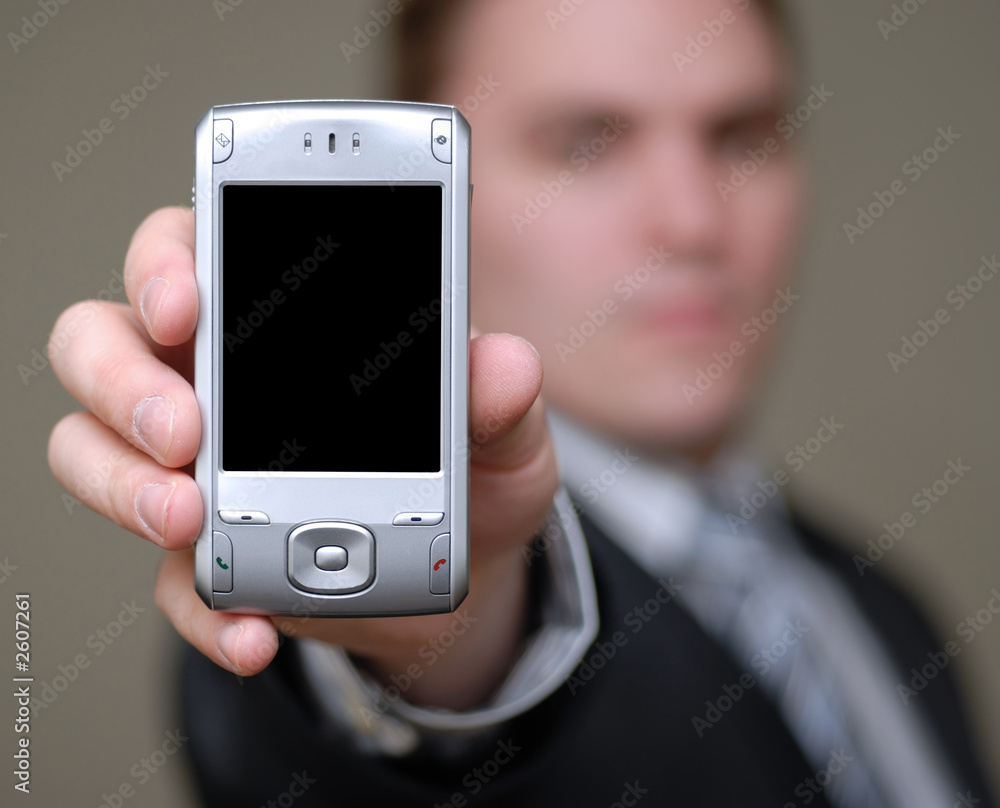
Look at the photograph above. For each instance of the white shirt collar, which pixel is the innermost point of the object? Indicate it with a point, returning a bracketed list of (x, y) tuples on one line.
[(654, 508)]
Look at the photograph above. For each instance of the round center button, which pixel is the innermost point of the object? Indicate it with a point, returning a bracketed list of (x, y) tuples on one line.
[(331, 558)]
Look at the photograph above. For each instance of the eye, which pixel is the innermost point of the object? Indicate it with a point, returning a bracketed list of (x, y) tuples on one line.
[(733, 138), (586, 136), (577, 137)]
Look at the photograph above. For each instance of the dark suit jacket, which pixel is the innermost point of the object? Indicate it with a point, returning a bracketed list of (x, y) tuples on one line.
[(621, 733)]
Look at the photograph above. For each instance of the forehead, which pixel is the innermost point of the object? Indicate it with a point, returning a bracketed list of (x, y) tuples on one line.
[(627, 54)]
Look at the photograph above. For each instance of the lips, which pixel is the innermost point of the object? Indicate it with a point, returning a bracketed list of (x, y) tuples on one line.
[(694, 318)]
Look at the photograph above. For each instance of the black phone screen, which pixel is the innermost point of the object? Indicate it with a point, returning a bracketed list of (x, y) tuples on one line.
[(330, 326)]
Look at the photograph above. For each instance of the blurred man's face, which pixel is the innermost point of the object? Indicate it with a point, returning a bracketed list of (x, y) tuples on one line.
[(600, 231)]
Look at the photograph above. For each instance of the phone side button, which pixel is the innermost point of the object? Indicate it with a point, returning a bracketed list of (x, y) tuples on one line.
[(441, 565), (222, 562)]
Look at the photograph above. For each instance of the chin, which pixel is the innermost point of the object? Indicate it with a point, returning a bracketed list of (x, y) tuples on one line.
[(661, 415)]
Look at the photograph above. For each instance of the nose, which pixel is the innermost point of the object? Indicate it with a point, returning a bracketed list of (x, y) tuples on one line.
[(679, 206)]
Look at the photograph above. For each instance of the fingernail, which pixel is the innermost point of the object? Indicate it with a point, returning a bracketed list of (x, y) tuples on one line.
[(153, 422), (151, 506), (227, 641), (151, 300)]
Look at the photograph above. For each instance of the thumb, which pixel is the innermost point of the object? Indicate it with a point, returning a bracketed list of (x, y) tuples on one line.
[(513, 469)]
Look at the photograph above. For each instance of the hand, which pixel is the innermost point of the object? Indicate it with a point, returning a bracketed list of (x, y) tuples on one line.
[(130, 367)]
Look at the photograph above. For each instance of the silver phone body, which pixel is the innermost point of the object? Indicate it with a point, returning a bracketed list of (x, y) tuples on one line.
[(301, 535)]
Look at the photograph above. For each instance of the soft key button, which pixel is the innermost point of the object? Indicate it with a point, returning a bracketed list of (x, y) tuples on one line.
[(244, 518), (417, 519), (441, 139)]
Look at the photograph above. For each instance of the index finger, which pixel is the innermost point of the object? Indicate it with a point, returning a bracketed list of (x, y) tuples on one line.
[(159, 275)]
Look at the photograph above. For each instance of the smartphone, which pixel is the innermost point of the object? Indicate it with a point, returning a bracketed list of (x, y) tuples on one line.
[(331, 357)]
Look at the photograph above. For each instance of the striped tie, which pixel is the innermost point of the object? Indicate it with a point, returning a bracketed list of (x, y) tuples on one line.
[(793, 627)]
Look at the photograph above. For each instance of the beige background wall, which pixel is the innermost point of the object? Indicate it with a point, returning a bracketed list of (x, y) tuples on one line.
[(64, 240)]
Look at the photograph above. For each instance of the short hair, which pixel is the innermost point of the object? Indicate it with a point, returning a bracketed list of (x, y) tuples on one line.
[(422, 29)]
